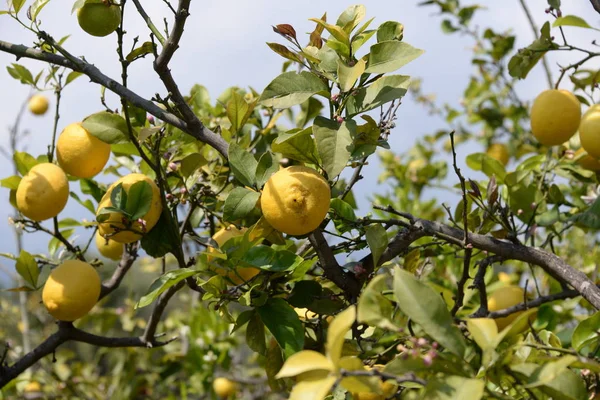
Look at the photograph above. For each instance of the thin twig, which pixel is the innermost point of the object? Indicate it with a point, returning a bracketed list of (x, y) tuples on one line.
[(534, 28)]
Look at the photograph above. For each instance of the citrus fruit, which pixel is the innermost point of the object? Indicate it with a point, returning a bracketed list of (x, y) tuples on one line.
[(43, 192), (241, 274), (109, 248), (79, 153), (588, 162), (99, 18), (499, 152), (224, 388), (115, 221), (589, 132), (388, 388), (32, 387), (71, 290), (295, 200), (555, 116), (506, 297), (38, 104)]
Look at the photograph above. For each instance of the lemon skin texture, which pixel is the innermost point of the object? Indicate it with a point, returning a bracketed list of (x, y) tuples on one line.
[(241, 274), (224, 388), (72, 290), (99, 19), (38, 104), (588, 162), (43, 192), (589, 132), (81, 154), (295, 200), (555, 116), (110, 249), (499, 152), (505, 297), (116, 219)]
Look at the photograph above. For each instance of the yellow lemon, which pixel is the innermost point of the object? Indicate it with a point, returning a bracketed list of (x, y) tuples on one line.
[(295, 200), (241, 274), (115, 220), (555, 116), (81, 154), (32, 387), (588, 162), (71, 290), (388, 388), (109, 249), (504, 277), (224, 388), (499, 152), (506, 297), (38, 104), (99, 18), (43, 192), (589, 132)]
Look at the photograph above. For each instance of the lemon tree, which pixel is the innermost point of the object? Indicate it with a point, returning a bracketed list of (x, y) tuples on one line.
[(234, 245)]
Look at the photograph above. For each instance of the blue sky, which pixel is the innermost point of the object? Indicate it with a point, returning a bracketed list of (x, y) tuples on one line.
[(224, 45)]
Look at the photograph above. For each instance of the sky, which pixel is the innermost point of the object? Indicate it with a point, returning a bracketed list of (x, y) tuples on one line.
[(224, 45)]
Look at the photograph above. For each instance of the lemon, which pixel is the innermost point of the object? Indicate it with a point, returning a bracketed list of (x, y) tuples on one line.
[(32, 386), (241, 274), (99, 18), (71, 290), (499, 152), (388, 388), (295, 200), (38, 104), (555, 116), (43, 192), (589, 131), (81, 154), (115, 219), (224, 388), (588, 162), (109, 249), (506, 297)]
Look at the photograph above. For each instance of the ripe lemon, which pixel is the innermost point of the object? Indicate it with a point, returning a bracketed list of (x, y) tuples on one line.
[(241, 274), (38, 104), (499, 152), (109, 249), (505, 297), (43, 192), (32, 386), (81, 154), (115, 220), (587, 162), (388, 388), (224, 388), (99, 18), (295, 200), (589, 132), (555, 116), (71, 290)]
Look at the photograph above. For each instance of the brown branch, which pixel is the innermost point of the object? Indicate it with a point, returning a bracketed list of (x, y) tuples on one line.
[(596, 5), (124, 264), (479, 283), (567, 294), (160, 306), (201, 133)]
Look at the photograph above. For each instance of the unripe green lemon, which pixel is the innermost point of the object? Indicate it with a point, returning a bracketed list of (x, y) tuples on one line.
[(99, 18)]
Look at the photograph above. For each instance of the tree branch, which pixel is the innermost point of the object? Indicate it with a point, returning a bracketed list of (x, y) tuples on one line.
[(567, 294), (596, 5), (125, 263)]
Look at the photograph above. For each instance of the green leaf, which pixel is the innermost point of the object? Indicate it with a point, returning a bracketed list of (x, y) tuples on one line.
[(388, 56), (239, 203), (296, 144), (348, 75), (91, 187), (553, 378), (27, 267), (284, 52), (139, 199), (571, 20), (290, 89), (87, 203), (383, 90), (351, 17), (12, 182), (72, 76), (304, 293), (108, 127), (77, 5), (54, 244), (243, 164), (454, 387), (16, 5), (283, 323), (36, 7), (237, 111), (343, 209), (21, 74), (269, 259), (164, 282), (334, 143), (255, 334), (118, 198), (486, 164), (377, 240), (138, 52), (430, 311), (374, 308), (160, 240), (24, 162), (586, 333), (521, 63), (390, 30), (590, 217), (267, 166)]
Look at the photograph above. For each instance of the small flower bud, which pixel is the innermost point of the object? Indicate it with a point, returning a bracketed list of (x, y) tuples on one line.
[(150, 119), (172, 166), (427, 360)]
